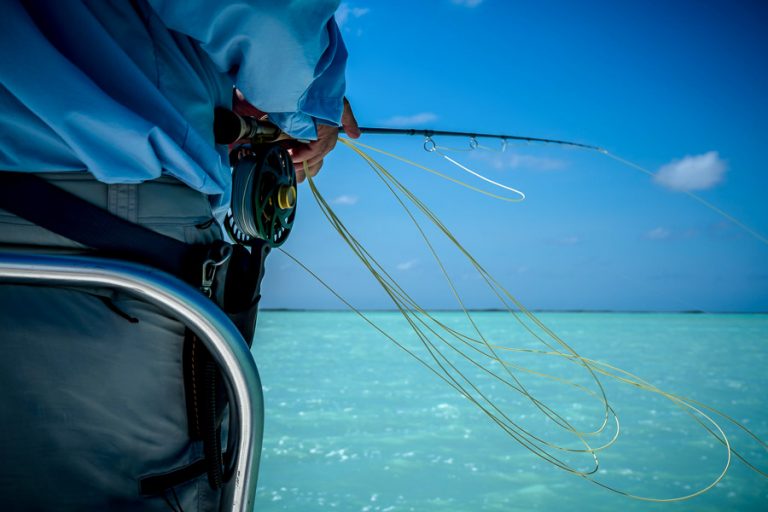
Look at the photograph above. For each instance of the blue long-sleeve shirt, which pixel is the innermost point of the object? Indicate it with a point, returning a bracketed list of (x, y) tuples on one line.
[(127, 90)]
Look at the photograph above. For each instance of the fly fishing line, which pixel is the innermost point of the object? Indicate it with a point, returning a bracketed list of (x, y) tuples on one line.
[(693, 196), (415, 315), (444, 346)]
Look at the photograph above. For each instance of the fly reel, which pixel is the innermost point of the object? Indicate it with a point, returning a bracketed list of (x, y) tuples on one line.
[(263, 195)]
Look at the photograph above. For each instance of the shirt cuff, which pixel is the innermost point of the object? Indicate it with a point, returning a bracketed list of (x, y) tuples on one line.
[(296, 124)]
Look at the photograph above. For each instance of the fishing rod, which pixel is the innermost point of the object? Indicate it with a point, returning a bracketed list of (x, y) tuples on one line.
[(472, 136), (229, 127), (431, 146)]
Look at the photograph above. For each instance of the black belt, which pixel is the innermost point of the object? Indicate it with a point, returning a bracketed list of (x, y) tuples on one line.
[(40, 202)]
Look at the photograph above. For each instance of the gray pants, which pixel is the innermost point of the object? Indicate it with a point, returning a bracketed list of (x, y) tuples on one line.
[(91, 381)]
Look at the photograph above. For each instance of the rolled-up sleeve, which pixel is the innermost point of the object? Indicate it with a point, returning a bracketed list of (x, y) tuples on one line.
[(287, 57)]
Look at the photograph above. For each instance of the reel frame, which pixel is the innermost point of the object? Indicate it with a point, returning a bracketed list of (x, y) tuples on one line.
[(263, 195)]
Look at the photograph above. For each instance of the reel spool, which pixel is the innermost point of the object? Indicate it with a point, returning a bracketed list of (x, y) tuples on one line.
[(263, 195)]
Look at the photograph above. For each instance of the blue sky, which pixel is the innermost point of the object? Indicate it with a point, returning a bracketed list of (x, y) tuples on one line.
[(680, 88)]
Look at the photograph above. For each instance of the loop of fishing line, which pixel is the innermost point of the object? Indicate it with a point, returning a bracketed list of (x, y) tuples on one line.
[(352, 142), (478, 175), (443, 344), (431, 147)]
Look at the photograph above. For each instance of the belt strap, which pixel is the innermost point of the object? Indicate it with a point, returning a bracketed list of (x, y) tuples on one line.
[(40, 202)]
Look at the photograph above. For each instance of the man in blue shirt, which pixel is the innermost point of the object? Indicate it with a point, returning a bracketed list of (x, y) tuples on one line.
[(127, 90), (114, 101)]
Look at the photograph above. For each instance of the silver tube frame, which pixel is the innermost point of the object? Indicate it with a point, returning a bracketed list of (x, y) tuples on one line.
[(194, 310)]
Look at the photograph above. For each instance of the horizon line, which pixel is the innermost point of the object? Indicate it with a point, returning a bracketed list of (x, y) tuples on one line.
[(497, 310)]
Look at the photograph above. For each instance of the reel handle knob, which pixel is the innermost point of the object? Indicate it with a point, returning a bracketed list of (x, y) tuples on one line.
[(286, 197)]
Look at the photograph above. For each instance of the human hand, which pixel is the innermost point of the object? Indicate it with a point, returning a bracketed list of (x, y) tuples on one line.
[(313, 152)]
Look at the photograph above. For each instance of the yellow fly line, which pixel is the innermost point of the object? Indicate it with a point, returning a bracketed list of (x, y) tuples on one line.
[(445, 351), (695, 197)]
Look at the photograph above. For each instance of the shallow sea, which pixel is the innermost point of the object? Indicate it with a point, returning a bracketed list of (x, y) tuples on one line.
[(354, 423)]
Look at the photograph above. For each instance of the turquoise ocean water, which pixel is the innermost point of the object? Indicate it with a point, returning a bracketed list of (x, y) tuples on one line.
[(353, 423)]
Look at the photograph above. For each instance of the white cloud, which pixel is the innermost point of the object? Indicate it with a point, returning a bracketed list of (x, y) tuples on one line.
[(345, 12), (420, 118), (467, 3), (510, 160), (698, 172), (345, 200), (407, 265), (659, 233)]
